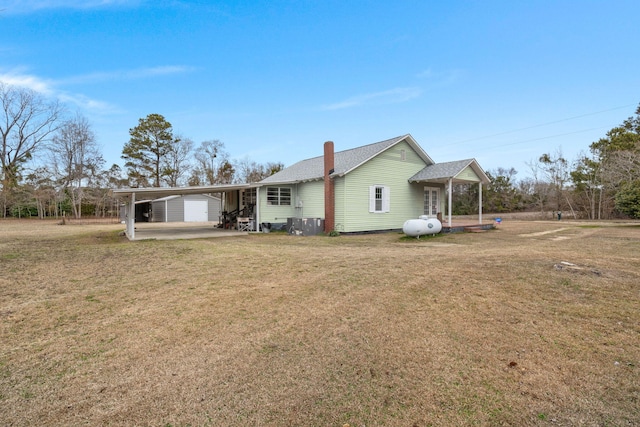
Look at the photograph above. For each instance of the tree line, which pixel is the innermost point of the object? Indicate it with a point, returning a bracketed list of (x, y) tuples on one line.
[(603, 183), (51, 165)]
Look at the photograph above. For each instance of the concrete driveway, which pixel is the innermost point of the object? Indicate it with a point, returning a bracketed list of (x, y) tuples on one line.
[(182, 230)]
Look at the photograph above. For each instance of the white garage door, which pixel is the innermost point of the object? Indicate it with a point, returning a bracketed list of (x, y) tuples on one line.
[(195, 211)]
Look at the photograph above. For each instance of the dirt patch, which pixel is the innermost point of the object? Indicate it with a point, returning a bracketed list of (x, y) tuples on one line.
[(542, 233)]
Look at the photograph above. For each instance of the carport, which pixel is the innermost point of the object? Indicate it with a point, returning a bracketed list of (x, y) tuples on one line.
[(154, 193)]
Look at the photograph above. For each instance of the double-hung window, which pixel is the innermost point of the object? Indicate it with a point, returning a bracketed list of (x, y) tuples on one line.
[(279, 196), (379, 199)]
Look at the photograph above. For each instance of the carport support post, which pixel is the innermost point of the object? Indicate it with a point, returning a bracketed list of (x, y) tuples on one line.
[(258, 223), (131, 217)]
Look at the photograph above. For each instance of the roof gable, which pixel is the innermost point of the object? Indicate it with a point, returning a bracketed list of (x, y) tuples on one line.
[(451, 170), (344, 161)]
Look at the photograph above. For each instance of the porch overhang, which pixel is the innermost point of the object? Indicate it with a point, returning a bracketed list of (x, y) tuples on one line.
[(450, 173), (459, 172)]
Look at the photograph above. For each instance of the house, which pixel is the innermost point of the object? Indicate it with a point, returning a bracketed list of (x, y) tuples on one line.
[(370, 188), (374, 187)]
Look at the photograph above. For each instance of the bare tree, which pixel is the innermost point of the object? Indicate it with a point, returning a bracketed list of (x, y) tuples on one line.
[(537, 189), (176, 161), (251, 171), (210, 157), (27, 120), (41, 184), (556, 169), (104, 202), (76, 158), (625, 164)]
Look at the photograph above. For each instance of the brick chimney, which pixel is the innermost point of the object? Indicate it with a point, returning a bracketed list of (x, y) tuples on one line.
[(329, 194)]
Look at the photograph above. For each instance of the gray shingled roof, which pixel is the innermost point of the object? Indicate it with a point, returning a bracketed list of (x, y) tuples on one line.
[(446, 170), (344, 161), (441, 170)]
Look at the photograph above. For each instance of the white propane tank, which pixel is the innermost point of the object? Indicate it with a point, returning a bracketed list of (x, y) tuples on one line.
[(422, 226)]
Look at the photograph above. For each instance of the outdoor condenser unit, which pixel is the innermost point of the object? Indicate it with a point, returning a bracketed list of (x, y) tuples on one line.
[(305, 226)]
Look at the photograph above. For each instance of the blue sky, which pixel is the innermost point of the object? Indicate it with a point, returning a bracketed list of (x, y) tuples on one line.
[(501, 81)]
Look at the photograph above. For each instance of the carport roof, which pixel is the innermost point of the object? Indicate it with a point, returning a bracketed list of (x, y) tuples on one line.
[(158, 192)]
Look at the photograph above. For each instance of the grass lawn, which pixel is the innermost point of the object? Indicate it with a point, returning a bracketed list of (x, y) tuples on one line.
[(268, 329)]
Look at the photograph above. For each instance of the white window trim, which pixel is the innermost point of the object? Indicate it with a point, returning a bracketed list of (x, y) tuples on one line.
[(278, 201), (386, 199)]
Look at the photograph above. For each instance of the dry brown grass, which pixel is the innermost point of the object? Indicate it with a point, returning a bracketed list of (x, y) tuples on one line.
[(269, 329)]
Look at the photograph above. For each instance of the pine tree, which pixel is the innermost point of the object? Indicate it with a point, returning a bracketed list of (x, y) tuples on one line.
[(144, 154)]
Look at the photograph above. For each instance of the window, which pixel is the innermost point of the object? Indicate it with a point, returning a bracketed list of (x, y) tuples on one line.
[(379, 199), (279, 196)]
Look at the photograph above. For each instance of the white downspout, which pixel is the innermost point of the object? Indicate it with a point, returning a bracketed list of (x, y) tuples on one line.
[(480, 202), (166, 211), (450, 199)]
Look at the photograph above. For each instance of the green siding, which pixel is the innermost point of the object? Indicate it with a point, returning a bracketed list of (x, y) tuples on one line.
[(311, 194), (340, 203), (276, 214), (388, 169), (469, 175)]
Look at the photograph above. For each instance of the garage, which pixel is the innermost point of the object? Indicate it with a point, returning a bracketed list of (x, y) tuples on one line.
[(186, 208)]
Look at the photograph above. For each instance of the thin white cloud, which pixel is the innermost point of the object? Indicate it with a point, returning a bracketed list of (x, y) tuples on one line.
[(85, 103), (440, 78), (426, 74), (392, 96), (28, 6), (139, 73), (19, 78), (49, 88), (52, 88)]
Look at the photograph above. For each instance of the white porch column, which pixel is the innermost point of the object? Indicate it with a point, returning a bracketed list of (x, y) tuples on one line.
[(480, 202), (131, 217), (223, 208), (258, 209), (450, 199)]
